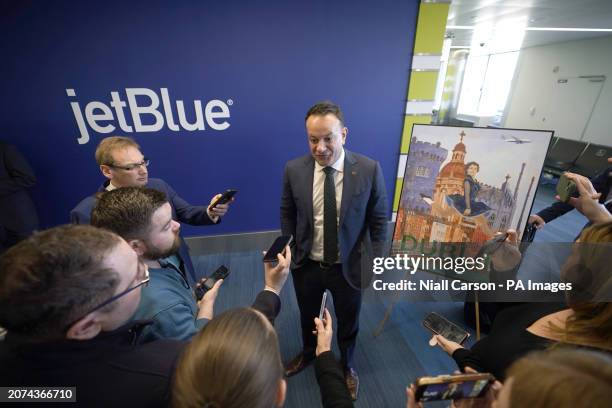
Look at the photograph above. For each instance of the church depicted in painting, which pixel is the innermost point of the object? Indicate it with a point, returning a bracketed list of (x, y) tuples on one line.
[(443, 201)]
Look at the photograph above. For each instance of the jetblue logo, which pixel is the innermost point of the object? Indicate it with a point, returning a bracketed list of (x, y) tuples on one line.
[(102, 118)]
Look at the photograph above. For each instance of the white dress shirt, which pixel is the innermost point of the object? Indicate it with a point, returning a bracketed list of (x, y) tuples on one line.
[(318, 183)]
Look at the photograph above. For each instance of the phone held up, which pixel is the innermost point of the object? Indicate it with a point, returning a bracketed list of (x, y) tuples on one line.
[(277, 247), (206, 284), (445, 328), (323, 305), (566, 188), (457, 386), (225, 197)]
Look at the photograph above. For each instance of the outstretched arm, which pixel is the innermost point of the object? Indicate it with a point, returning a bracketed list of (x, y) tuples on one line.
[(187, 213)]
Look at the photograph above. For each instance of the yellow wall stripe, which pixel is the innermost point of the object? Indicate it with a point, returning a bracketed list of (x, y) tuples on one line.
[(408, 122), (398, 191), (430, 31), (422, 85), (429, 38)]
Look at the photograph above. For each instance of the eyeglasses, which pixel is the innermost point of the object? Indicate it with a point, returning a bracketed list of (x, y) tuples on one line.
[(145, 280), (133, 166)]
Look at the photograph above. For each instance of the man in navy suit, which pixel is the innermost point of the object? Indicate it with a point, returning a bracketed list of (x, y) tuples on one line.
[(334, 204), (122, 163)]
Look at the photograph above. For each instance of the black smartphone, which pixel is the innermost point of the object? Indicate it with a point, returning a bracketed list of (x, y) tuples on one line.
[(566, 188), (323, 304), (207, 283), (440, 325), (457, 386), (225, 197), (278, 246)]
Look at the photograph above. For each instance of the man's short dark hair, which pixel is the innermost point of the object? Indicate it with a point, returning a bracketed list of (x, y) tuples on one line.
[(324, 108), (52, 278), (127, 211)]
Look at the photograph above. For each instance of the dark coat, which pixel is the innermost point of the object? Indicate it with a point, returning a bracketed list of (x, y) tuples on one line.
[(18, 217), (363, 213), (334, 393), (110, 370)]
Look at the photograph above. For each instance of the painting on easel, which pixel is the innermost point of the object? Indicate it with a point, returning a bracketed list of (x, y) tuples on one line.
[(463, 184)]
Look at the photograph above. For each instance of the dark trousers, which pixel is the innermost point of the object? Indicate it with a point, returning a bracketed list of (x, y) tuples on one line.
[(310, 281)]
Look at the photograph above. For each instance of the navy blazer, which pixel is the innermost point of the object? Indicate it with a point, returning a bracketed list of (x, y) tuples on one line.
[(181, 211), (17, 210), (110, 370), (363, 214)]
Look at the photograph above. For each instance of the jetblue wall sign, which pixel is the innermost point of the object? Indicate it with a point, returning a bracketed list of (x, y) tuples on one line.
[(100, 118), (214, 92)]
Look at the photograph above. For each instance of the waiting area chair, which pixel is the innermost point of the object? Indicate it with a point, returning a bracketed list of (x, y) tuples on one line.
[(592, 160), (562, 155)]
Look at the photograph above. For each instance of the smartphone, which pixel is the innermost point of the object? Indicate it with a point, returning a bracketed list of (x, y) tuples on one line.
[(278, 246), (323, 304), (566, 188), (440, 325), (221, 273), (225, 197), (457, 386), (207, 283)]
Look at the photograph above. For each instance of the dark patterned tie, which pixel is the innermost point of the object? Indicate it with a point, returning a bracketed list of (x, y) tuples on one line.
[(330, 223)]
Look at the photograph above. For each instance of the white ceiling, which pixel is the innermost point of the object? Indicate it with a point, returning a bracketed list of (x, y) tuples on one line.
[(515, 14)]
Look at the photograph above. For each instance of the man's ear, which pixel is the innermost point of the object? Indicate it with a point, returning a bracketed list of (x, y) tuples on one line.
[(344, 133), (138, 246), (85, 329), (281, 392), (106, 171)]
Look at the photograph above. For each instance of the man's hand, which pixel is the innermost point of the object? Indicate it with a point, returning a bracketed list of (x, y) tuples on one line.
[(219, 210), (447, 345), (587, 201), (276, 276), (207, 304), (537, 221), (324, 333)]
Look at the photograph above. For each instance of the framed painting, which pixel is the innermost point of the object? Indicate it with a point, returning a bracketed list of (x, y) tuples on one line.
[(464, 184)]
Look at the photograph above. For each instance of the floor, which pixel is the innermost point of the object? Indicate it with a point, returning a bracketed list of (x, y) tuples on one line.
[(386, 363)]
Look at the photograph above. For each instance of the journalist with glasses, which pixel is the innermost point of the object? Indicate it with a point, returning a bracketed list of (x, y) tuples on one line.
[(124, 165)]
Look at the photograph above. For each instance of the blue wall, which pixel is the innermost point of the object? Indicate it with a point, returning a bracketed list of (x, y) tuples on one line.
[(272, 59)]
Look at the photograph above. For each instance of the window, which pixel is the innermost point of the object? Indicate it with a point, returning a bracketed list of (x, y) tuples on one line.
[(486, 84)]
